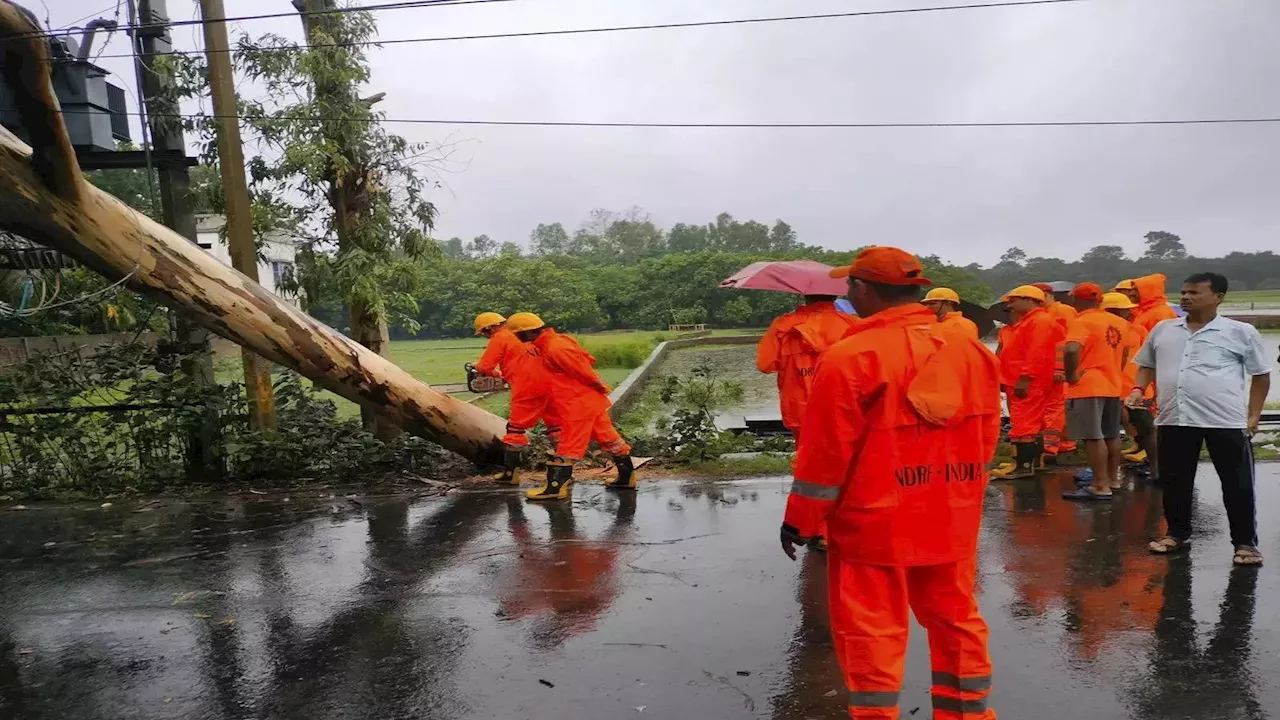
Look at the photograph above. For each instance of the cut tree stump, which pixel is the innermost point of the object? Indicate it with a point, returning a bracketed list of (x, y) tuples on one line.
[(44, 197)]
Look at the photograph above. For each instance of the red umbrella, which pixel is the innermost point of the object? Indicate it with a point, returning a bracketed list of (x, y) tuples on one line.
[(803, 277)]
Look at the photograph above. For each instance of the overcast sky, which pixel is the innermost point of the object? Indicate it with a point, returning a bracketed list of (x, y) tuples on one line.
[(964, 194)]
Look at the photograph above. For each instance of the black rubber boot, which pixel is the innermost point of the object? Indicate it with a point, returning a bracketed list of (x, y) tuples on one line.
[(510, 463), (1027, 457), (626, 479), (559, 478)]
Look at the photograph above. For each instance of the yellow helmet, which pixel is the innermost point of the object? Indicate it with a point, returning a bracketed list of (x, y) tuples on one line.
[(941, 293), (488, 320), (1117, 301), (522, 321), (1031, 292)]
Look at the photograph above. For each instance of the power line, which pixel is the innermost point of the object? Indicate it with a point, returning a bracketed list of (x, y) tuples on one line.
[(662, 26), (740, 125), (404, 5), (72, 24)]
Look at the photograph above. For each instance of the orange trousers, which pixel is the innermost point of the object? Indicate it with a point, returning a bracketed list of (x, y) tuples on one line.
[(869, 622), (525, 412), (1055, 431), (1028, 416), (576, 435), (795, 435)]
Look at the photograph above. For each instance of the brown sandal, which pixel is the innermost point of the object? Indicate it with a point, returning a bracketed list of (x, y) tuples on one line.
[(1168, 546), (1247, 555)]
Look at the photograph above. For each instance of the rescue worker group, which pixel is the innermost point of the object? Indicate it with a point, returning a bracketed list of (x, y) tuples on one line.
[(897, 414)]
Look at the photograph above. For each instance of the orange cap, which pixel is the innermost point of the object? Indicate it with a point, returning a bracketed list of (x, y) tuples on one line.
[(885, 265), (1087, 291), (1045, 288)]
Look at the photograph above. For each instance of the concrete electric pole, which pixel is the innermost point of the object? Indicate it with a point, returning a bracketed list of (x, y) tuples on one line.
[(244, 254)]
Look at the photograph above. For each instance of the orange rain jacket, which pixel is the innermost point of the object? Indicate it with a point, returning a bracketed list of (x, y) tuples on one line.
[(1062, 311), (791, 349), (1031, 349), (1153, 307), (897, 439), (519, 361), (957, 323), (577, 392), (1133, 340), (1100, 372)]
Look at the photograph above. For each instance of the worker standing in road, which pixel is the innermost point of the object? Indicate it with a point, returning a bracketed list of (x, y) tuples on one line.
[(1148, 292), (945, 303), (1056, 440), (580, 400), (790, 349), (897, 437), (1029, 362), (793, 354), (1139, 420), (1095, 357), (517, 363)]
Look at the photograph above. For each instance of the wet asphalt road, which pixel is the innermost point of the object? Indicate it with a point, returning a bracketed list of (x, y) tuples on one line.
[(673, 604)]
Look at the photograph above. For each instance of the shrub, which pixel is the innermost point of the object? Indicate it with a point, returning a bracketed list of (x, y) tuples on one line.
[(622, 355)]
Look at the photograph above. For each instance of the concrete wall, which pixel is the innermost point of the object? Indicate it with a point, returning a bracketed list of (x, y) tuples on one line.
[(628, 390), (16, 350)]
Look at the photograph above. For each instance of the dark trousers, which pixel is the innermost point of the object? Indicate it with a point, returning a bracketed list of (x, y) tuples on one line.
[(1232, 456)]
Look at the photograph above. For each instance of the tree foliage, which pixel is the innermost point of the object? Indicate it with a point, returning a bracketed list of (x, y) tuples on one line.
[(327, 172), (1108, 264)]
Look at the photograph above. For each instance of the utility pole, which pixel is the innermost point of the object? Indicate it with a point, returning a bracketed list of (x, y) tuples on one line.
[(367, 328), (204, 457), (244, 255)]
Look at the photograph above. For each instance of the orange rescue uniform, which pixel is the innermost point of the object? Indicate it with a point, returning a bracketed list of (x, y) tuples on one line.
[(1056, 440), (524, 372), (790, 348), (1101, 337), (1153, 307), (1134, 337), (1032, 351), (578, 397), (957, 323), (898, 434)]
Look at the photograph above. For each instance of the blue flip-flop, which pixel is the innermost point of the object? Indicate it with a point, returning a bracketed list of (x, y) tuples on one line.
[(1086, 494)]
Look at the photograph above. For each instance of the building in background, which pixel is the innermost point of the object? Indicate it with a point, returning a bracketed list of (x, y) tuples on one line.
[(276, 259)]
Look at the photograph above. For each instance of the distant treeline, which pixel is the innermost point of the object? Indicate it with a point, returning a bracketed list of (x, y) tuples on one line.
[(1108, 264), (622, 271)]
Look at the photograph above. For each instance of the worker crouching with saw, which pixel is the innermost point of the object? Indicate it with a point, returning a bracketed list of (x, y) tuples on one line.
[(580, 399)]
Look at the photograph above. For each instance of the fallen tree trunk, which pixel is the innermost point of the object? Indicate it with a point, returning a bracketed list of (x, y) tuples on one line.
[(44, 198)]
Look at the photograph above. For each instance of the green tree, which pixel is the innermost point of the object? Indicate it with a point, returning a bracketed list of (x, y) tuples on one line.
[(549, 240), (1163, 245), (329, 173), (687, 238), (1013, 256)]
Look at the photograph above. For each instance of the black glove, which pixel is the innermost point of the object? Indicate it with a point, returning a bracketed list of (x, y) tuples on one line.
[(790, 539)]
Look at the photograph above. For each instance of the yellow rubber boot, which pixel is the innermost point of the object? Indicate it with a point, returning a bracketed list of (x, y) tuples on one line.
[(559, 480)]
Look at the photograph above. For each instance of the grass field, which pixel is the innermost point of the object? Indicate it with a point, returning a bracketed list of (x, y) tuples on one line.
[(439, 362), (1245, 297)]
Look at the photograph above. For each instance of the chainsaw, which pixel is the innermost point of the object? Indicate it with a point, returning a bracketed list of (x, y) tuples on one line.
[(481, 384)]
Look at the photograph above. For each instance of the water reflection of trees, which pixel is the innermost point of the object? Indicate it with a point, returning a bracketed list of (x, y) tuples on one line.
[(362, 655)]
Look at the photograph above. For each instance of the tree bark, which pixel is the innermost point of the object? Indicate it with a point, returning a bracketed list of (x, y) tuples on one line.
[(44, 197)]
